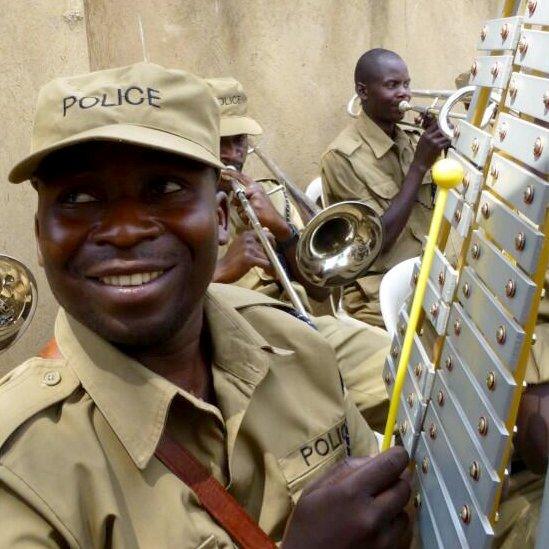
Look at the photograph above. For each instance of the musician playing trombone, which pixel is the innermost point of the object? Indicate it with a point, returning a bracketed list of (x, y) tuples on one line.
[(374, 160), (360, 351)]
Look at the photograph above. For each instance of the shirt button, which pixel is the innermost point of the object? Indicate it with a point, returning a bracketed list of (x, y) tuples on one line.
[(53, 377)]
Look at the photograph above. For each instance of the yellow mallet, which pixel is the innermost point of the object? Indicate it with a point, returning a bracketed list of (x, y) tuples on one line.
[(447, 174)]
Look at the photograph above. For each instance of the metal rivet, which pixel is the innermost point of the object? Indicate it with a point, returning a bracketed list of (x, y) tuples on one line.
[(466, 180), (474, 470), (510, 288), (465, 514), (484, 33), (523, 45), (475, 251), (532, 5), (538, 148), (501, 336), (448, 363), (485, 209), (466, 289), (520, 241), (494, 172), (513, 90), (504, 32), (418, 370), (433, 431), (546, 99), (401, 328), (502, 131), (425, 465), (457, 132), (388, 379), (415, 278), (528, 195), (441, 278), (491, 381), (440, 398), (475, 146), (474, 69), (403, 428), (457, 215), (394, 351), (494, 70), (53, 377), (417, 501), (482, 426), (457, 327), (434, 310), (410, 400)]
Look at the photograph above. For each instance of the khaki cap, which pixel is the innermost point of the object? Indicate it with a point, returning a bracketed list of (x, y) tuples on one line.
[(142, 104), (233, 104)]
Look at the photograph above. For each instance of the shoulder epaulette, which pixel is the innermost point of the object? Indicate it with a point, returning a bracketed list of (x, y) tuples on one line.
[(30, 388)]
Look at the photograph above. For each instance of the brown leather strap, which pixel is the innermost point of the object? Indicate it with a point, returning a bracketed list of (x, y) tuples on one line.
[(212, 495)]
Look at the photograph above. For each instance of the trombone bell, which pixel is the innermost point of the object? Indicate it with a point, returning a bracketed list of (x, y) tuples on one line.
[(18, 298), (339, 244)]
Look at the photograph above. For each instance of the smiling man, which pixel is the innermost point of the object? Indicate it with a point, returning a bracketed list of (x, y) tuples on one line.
[(376, 161), (170, 412)]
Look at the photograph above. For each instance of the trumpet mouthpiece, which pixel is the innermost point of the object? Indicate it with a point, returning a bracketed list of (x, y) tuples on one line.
[(404, 106)]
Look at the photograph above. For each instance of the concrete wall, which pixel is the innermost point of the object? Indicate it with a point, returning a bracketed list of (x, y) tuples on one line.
[(39, 39), (294, 57)]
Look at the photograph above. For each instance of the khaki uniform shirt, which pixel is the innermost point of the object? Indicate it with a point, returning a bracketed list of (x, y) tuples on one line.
[(364, 163), (78, 434)]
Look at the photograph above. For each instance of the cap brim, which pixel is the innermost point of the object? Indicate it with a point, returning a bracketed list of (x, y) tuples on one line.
[(121, 133), (238, 125)]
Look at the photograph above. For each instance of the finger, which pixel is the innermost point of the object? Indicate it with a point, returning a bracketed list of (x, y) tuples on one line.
[(380, 472), (397, 534), (391, 502)]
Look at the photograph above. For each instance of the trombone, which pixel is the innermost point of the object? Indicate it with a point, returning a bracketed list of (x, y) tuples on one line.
[(281, 274), (444, 112)]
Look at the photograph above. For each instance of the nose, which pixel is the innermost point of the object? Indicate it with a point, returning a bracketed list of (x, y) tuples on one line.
[(125, 225), (403, 92)]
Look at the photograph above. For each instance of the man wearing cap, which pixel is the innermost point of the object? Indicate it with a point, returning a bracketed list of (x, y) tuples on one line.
[(360, 351), (375, 161), (165, 400)]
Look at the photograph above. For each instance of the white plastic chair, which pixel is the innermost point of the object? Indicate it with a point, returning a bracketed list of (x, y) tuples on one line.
[(314, 191), (393, 292)]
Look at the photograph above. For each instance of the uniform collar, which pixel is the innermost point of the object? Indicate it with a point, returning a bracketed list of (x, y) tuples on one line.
[(378, 140), (134, 400)]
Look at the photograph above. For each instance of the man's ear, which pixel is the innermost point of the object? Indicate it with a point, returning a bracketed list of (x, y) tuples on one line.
[(361, 90), (222, 217), (37, 236)]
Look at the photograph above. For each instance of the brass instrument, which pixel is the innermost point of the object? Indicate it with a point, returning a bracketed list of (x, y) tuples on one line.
[(444, 112), (307, 208), (339, 244), (271, 254), (18, 299)]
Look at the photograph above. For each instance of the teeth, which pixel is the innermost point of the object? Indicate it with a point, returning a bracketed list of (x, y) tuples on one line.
[(135, 279)]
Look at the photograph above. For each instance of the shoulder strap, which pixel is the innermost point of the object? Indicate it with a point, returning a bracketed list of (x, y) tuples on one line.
[(212, 495)]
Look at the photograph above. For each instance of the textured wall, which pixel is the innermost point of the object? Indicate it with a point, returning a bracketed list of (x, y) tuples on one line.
[(39, 39), (294, 57)]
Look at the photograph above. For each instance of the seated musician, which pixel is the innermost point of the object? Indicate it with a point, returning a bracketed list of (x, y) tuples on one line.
[(376, 161), (360, 352), (164, 386)]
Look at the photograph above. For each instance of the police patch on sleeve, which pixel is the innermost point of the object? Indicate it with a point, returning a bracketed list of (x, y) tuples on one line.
[(314, 457)]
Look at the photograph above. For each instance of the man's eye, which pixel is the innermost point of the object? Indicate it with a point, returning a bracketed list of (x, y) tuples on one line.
[(79, 198), (166, 187)]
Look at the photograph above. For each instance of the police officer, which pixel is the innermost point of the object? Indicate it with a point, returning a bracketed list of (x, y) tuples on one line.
[(360, 351), (377, 162), (155, 367)]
